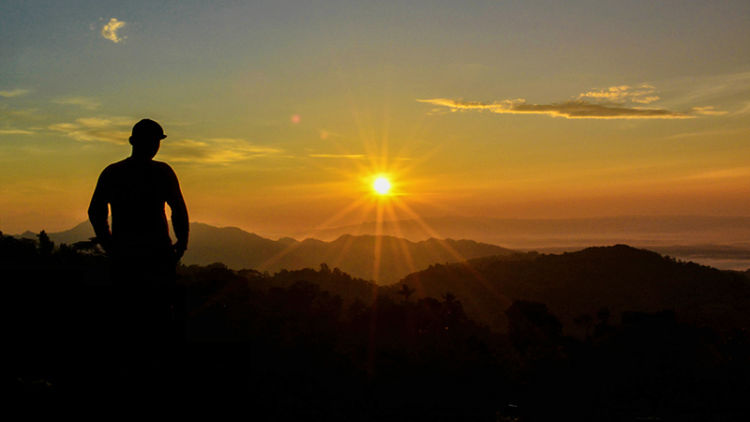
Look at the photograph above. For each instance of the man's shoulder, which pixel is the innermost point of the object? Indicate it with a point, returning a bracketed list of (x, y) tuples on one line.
[(115, 167), (162, 166)]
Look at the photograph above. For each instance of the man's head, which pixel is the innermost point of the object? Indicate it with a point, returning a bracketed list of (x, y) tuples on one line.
[(145, 138)]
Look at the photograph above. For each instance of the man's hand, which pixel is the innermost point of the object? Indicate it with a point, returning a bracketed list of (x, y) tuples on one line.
[(106, 244), (179, 249)]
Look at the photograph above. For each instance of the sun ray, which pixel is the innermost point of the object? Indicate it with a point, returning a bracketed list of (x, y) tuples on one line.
[(340, 257), (378, 241), (413, 163), (383, 200), (376, 274), (404, 249), (461, 260), (350, 208)]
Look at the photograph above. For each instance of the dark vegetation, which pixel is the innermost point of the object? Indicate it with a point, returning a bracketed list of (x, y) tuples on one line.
[(317, 344), (573, 284)]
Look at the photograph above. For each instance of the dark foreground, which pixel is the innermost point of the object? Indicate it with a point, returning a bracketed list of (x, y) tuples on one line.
[(237, 339)]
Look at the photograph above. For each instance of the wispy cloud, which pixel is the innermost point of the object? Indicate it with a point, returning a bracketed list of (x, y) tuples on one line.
[(707, 111), (14, 93), (615, 102), (730, 173), (116, 130), (25, 113), (348, 156), (215, 150), (643, 94), (85, 102), (110, 29), (576, 109), (96, 129), (720, 132), (15, 132), (713, 89)]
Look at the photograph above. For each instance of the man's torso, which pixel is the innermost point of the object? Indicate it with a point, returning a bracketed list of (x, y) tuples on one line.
[(137, 192)]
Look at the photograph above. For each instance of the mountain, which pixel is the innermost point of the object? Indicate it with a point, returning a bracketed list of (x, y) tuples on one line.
[(82, 231), (355, 255), (720, 242), (352, 254), (618, 278), (710, 240)]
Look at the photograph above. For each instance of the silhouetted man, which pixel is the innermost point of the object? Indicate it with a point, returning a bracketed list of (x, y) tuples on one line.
[(142, 255)]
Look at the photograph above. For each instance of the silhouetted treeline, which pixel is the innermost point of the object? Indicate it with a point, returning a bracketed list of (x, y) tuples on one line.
[(321, 345), (576, 284)]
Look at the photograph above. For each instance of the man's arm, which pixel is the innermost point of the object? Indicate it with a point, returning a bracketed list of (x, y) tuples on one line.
[(180, 222), (99, 213)]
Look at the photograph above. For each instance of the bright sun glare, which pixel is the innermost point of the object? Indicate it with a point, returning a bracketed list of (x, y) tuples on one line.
[(381, 185)]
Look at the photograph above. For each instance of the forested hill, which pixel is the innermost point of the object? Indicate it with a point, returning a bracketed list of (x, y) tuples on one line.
[(599, 281), (299, 344)]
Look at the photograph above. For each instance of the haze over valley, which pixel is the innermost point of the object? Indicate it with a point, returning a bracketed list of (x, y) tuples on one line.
[(720, 242)]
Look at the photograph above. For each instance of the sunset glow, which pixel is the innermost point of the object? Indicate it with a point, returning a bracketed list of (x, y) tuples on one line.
[(482, 210), (279, 117)]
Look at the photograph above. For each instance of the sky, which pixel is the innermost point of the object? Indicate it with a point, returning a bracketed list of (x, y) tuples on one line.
[(280, 114)]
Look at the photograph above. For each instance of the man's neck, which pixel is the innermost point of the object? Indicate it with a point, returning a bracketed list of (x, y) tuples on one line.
[(140, 158)]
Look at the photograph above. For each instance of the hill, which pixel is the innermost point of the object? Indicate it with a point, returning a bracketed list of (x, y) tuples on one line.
[(308, 339), (583, 283), (355, 255)]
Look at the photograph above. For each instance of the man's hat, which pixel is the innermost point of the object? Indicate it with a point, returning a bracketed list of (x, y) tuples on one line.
[(147, 128)]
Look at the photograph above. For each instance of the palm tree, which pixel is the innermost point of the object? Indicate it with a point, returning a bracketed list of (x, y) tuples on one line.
[(406, 291)]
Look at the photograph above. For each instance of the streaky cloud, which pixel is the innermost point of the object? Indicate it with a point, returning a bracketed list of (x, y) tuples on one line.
[(614, 102), (84, 102), (109, 30), (14, 93), (96, 129), (347, 156), (727, 173), (575, 109), (708, 111), (643, 94), (721, 132), (216, 151), (15, 132)]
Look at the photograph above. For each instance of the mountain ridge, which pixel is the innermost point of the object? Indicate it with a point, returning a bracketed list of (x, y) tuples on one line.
[(573, 284), (353, 254)]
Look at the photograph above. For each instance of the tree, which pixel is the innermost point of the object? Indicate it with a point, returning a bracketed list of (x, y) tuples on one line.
[(46, 246), (584, 321), (406, 291), (533, 329)]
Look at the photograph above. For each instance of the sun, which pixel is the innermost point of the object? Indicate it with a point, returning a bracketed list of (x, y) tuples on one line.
[(381, 185)]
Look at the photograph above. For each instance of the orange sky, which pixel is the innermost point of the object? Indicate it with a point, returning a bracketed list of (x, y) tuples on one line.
[(278, 114)]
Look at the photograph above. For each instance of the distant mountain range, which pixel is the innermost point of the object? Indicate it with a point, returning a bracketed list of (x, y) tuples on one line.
[(576, 286), (355, 255), (722, 242), (530, 233)]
